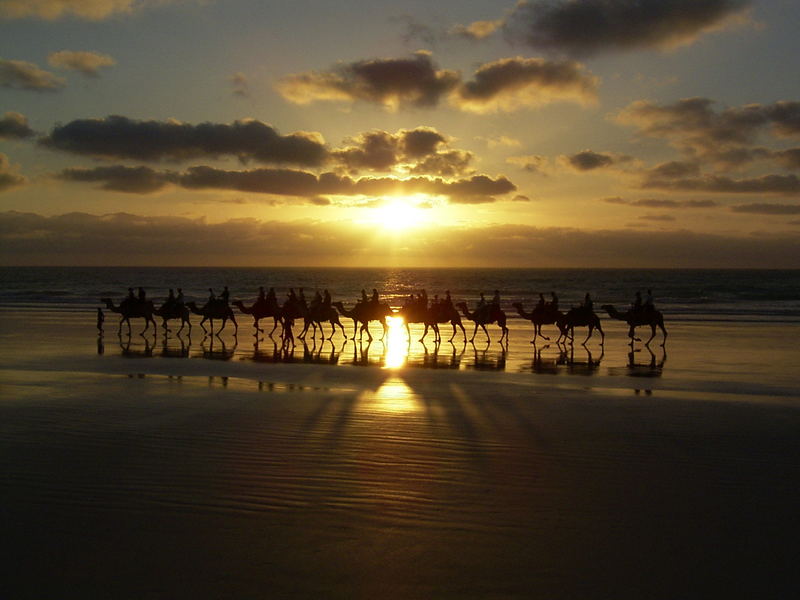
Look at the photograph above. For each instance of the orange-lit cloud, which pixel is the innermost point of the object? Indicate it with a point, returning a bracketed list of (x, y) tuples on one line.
[(289, 182), (93, 10), (22, 75), (88, 63), (14, 125), (9, 177), (506, 84)]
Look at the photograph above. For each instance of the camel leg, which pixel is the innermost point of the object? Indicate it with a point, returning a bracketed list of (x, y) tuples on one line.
[(474, 333), (385, 330), (652, 335), (505, 333), (452, 337), (664, 331), (235, 324), (464, 331), (486, 331), (274, 325)]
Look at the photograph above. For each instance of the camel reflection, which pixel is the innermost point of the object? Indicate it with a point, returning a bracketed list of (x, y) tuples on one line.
[(169, 350), (442, 360), (650, 366), (489, 360), (131, 349), (589, 366), (548, 364), (217, 349)]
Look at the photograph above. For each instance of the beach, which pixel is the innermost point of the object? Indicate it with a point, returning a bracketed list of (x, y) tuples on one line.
[(149, 474)]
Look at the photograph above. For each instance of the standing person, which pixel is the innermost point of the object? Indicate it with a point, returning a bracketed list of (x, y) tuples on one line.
[(100, 318)]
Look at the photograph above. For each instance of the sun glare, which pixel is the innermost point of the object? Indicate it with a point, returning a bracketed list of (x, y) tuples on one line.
[(400, 213)]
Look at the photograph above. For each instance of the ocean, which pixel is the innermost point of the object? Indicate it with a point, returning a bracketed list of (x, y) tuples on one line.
[(681, 294)]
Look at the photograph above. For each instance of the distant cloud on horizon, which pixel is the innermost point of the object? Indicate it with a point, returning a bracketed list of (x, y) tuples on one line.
[(91, 10), (127, 239)]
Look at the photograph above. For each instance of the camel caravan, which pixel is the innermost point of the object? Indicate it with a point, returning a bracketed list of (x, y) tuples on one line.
[(418, 309)]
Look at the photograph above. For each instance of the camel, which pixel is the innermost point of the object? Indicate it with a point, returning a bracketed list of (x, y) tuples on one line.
[(431, 317), (484, 316), (363, 313), (173, 310), (260, 309), (214, 309), (580, 317), (539, 317), (318, 315), (652, 318), (131, 308)]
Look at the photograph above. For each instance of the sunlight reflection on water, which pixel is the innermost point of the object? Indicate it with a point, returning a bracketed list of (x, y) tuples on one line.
[(394, 396), (397, 345)]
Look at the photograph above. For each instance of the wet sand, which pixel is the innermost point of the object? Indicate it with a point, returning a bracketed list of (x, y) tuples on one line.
[(128, 475)]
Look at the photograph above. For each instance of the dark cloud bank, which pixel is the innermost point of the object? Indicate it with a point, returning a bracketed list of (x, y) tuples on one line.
[(125, 239), (591, 27)]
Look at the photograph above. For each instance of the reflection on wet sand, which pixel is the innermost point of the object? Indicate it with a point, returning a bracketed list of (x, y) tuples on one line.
[(397, 351)]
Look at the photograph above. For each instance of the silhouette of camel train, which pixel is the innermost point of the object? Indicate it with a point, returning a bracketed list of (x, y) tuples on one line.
[(417, 309)]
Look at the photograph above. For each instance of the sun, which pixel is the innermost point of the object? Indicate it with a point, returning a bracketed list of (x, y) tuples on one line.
[(399, 213)]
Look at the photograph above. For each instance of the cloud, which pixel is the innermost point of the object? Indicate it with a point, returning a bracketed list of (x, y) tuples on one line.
[(240, 85), (477, 30), (674, 170), (500, 141), (21, 75), (416, 82), (50, 10), (126, 239), (694, 125), (14, 125), (761, 208), (88, 63), (390, 82), (658, 218), (419, 151), (533, 163), (590, 27), (118, 178), (767, 184), (123, 138), (589, 160), (9, 178), (288, 182), (788, 158), (662, 203), (511, 83)]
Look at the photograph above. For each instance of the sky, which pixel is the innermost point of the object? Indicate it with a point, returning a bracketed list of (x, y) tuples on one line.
[(460, 133)]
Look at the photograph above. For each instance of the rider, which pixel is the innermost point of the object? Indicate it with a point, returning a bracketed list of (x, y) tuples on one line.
[(211, 295), (553, 301), (648, 301), (541, 303), (171, 298), (142, 295), (179, 297), (637, 302), (448, 301), (317, 299), (271, 295), (496, 299), (587, 302), (375, 299), (225, 295), (261, 296), (364, 298), (326, 299)]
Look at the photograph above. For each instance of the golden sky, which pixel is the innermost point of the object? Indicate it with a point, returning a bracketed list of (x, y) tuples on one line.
[(563, 133)]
